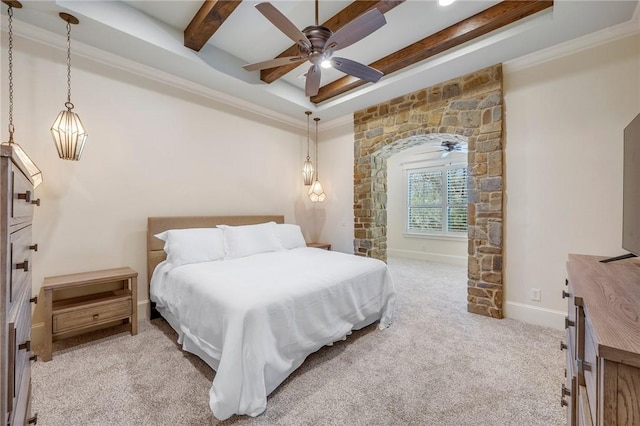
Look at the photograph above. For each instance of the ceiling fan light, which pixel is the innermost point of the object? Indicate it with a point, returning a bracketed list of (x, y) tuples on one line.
[(325, 64)]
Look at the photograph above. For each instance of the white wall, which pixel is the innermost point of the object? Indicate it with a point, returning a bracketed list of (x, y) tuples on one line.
[(445, 250), (334, 217), (564, 122), (152, 150)]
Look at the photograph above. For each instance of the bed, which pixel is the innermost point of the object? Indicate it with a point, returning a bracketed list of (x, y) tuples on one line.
[(258, 311)]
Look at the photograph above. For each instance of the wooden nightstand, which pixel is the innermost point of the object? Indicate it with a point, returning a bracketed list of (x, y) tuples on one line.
[(325, 246), (72, 305)]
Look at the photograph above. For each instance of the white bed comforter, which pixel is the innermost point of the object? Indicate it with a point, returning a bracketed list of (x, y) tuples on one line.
[(260, 316)]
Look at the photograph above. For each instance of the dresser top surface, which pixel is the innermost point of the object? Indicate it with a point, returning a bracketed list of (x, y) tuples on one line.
[(611, 298)]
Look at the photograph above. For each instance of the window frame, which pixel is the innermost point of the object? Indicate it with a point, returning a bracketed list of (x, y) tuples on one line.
[(444, 167)]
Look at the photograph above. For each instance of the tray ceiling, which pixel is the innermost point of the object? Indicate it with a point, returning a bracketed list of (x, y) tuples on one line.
[(422, 43)]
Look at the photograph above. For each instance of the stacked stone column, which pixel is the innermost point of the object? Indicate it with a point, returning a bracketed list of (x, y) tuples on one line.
[(470, 106)]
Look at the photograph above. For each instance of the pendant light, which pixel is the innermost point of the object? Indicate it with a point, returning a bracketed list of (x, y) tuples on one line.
[(316, 193), (307, 169), (30, 166), (67, 130)]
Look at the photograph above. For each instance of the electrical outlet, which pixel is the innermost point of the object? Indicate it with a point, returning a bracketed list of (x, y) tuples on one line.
[(536, 294)]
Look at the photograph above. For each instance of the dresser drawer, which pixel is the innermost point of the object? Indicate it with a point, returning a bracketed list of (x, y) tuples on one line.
[(19, 367), (22, 412), (571, 319), (21, 201), (584, 409), (590, 368), (570, 354), (20, 258), (569, 390), (91, 315)]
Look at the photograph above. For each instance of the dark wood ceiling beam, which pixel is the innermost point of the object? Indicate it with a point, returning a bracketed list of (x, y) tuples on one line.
[(206, 22), (338, 21), (500, 15)]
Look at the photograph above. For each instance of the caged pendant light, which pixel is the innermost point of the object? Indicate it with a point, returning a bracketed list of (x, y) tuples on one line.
[(67, 130), (32, 169), (316, 193), (307, 168)]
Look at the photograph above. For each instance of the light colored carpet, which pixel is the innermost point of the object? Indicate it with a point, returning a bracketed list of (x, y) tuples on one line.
[(436, 365)]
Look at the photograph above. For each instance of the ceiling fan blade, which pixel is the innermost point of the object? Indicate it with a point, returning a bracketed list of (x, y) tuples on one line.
[(356, 30), (283, 23), (356, 69), (272, 63), (312, 85)]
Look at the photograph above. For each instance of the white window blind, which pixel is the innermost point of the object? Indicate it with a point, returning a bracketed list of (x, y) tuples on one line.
[(437, 200)]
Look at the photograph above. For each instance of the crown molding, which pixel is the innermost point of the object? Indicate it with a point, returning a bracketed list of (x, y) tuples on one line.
[(338, 122), (576, 45), (59, 42)]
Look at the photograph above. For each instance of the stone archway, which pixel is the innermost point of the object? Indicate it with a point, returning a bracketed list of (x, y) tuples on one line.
[(471, 106)]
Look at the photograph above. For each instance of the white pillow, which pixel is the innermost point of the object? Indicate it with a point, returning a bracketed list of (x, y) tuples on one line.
[(245, 240), (192, 245), (290, 236)]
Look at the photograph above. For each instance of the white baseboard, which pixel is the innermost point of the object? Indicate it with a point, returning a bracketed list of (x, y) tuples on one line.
[(535, 315), (144, 309), (431, 257)]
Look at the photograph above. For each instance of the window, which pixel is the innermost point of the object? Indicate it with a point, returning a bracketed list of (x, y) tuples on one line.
[(437, 200)]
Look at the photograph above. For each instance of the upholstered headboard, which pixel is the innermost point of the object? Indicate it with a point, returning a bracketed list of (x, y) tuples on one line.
[(155, 225)]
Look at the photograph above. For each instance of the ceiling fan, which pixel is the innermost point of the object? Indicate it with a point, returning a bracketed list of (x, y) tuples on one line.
[(317, 43), (447, 147), (444, 148)]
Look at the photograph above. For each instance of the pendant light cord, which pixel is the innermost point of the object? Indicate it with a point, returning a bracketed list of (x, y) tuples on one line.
[(308, 114), (11, 128), (317, 167), (68, 104)]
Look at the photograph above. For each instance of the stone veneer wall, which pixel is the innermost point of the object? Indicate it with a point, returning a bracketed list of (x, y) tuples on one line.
[(469, 106)]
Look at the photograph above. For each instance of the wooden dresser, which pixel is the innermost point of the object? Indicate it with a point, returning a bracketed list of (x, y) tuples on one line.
[(17, 204), (602, 342)]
